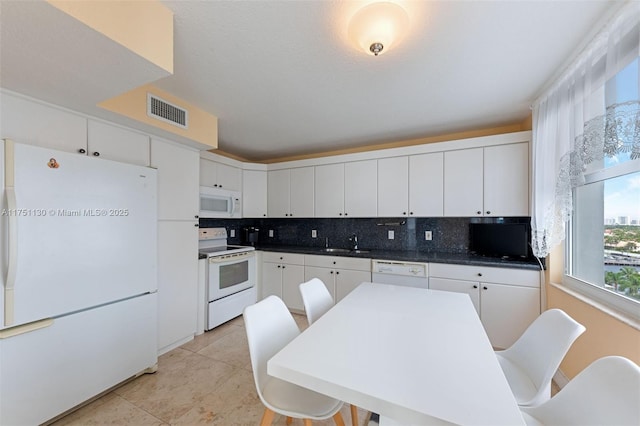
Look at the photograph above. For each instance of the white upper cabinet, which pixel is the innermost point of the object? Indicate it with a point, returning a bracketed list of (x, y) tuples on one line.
[(506, 180), (301, 198), (38, 124), (220, 175), (178, 192), (393, 185), (254, 193), (278, 188), (329, 193), (116, 143), (490, 181), (463, 172), (291, 192), (361, 189), (426, 185)]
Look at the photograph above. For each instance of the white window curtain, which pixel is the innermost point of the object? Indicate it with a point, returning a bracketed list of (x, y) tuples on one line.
[(578, 121)]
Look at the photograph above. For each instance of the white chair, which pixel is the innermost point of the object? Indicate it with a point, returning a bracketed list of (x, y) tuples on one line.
[(317, 301), (316, 298), (270, 327), (607, 392), (530, 363)]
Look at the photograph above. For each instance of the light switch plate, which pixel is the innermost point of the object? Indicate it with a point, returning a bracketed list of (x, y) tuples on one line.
[(428, 235), (391, 234), (271, 233), (232, 233), (314, 233)]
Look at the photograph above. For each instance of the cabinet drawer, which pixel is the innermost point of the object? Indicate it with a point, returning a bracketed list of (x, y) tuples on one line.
[(289, 258), (510, 276), (356, 264)]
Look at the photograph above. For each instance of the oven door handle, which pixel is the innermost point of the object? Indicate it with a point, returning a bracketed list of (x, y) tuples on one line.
[(232, 257)]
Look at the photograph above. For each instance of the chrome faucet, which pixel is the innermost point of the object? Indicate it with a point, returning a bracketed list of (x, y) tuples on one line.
[(354, 242)]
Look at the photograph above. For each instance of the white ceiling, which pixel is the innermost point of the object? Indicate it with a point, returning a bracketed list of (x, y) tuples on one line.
[(283, 79)]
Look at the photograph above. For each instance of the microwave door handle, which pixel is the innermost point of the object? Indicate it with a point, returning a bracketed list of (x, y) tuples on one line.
[(233, 206), (13, 259)]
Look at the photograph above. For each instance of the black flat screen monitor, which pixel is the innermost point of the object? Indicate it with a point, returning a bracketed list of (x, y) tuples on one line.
[(500, 239)]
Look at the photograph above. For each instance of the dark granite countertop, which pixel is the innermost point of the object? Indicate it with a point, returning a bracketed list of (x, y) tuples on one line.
[(412, 256)]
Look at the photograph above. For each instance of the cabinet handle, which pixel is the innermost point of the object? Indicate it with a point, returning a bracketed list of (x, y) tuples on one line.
[(479, 274), (197, 217), (337, 272), (484, 287), (346, 214), (82, 151), (196, 225), (488, 211), (281, 258), (96, 154), (479, 212), (220, 186), (334, 262), (411, 213), (339, 214), (215, 185), (264, 215), (404, 213), (475, 286), (331, 272), (282, 266), (279, 266)]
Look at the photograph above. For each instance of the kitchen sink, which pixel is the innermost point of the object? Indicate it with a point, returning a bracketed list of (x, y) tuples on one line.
[(342, 250)]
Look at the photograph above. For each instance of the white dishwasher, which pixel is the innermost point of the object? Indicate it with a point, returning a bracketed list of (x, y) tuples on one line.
[(409, 274)]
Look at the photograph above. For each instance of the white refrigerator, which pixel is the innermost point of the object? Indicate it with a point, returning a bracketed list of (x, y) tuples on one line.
[(78, 276)]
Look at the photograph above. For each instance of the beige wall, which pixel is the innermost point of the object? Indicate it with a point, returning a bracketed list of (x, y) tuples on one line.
[(605, 334)]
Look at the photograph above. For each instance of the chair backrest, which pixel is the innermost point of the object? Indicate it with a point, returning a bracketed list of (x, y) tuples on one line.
[(607, 392), (269, 326), (316, 298), (542, 347)]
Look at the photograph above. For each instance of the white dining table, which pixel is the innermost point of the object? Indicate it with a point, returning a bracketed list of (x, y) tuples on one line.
[(416, 356)]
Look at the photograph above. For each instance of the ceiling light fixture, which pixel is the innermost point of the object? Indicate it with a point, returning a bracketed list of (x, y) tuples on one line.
[(378, 26)]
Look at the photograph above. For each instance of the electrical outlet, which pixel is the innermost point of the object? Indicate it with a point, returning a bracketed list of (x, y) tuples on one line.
[(232, 233), (314, 233), (391, 234), (271, 233), (428, 236)]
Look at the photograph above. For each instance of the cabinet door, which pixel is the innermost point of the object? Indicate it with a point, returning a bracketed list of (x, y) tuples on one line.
[(361, 188), (271, 279), (329, 196), (278, 190), (506, 180), (393, 186), (34, 123), (426, 185), (177, 282), (506, 311), (254, 193), (458, 286), (326, 275), (178, 194), (301, 197), (463, 171), (292, 277), (118, 144), (208, 173), (229, 177), (347, 280)]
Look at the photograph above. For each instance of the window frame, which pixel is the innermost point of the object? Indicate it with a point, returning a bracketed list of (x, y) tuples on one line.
[(625, 305)]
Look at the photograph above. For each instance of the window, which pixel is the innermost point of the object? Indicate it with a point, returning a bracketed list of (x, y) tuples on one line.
[(603, 239)]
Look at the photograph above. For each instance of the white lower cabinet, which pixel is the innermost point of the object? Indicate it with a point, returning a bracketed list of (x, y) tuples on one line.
[(340, 274), (507, 300), (282, 273)]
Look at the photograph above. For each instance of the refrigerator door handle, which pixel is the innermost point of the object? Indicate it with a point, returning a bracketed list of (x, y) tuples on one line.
[(13, 257)]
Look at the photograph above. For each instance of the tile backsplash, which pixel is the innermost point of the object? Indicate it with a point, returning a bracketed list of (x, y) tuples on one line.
[(449, 234)]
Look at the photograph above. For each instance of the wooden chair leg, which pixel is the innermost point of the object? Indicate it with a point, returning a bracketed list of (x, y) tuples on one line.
[(354, 415), (337, 418), (289, 420), (267, 417), (307, 422)]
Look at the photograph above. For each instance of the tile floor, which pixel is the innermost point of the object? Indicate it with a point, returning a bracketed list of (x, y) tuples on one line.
[(206, 381)]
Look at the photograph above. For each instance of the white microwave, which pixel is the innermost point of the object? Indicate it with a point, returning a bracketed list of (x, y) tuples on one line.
[(218, 202)]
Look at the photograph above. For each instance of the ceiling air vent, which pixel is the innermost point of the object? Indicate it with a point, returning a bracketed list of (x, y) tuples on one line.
[(163, 110)]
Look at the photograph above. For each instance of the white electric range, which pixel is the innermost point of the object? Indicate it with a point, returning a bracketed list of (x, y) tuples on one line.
[(230, 277)]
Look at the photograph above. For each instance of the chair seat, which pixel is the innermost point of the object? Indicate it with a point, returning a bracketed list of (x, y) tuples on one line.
[(298, 401), (522, 387)]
